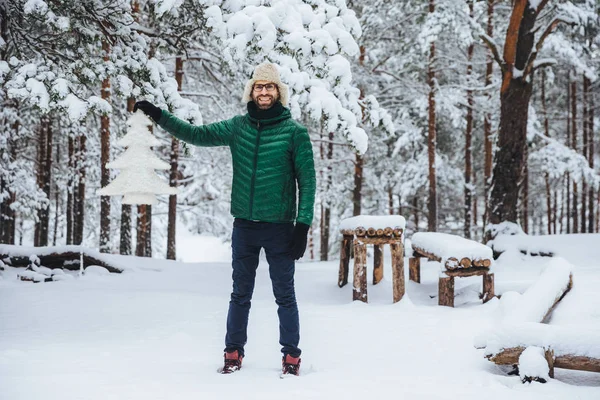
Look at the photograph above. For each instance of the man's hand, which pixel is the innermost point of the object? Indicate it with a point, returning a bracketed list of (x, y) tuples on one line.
[(149, 109), (299, 239)]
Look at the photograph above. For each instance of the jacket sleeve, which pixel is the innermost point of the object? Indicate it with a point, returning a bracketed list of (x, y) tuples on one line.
[(304, 168), (216, 134)]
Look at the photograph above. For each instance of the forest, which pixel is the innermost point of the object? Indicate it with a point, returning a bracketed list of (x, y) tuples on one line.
[(457, 114)]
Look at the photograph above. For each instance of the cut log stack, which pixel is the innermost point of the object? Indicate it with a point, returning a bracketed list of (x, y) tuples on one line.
[(358, 239), (454, 267)]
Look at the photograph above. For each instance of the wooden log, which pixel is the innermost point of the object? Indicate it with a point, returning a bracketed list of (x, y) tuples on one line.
[(510, 356), (462, 273), (465, 262), (344, 259), (371, 232), (482, 263), (397, 232), (487, 263), (379, 232), (377, 263), (359, 290), (451, 263), (446, 291), (379, 240), (398, 270), (423, 253), (360, 231), (414, 269), (549, 355), (388, 231), (488, 287), (477, 262), (68, 260), (569, 287), (347, 232)]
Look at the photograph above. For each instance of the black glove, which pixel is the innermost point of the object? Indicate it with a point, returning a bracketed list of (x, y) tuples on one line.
[(299, 239), (149, 109)]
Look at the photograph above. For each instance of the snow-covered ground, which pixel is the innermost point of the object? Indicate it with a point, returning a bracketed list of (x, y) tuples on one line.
[(156, 332)]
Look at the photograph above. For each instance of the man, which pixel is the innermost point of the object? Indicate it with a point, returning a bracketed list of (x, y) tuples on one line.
[(270, 153)]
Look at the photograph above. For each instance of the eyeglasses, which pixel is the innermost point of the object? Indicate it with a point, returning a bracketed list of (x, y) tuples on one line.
[(269, 86)]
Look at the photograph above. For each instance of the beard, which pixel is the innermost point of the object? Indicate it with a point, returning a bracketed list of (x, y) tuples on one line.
[(265, 101)]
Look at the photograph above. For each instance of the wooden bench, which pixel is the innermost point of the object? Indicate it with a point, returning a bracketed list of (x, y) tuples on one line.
[(376, 230), (459, 257)]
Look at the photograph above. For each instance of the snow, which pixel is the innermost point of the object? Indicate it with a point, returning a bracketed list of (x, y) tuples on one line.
[(374, 221), (158, 333), (447, 246), (533, 305), (582, 339), (532, 363)]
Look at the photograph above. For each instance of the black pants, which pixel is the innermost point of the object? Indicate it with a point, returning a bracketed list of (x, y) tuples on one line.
[(248, 238)]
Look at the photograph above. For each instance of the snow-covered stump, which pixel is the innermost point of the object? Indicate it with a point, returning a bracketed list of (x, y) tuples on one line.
[(459, 257), (381, 230), (536, 365)]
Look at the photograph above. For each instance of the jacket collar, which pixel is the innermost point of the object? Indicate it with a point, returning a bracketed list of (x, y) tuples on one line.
[(271, 116)]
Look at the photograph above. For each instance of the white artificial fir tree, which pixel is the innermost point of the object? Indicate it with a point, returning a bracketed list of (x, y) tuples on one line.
[(137, 182)]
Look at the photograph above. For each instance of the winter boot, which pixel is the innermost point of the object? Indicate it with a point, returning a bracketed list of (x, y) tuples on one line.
[(290, 365), (233, 362)]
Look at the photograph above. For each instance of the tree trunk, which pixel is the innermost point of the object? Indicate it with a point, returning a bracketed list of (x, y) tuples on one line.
[(172, 224), (568, 211), (525, 192), (80, 203), (574, 145), (515, 94), (7, 214), (325, 209), (70, 191), (357, 191), (104, 159), (431, 136), (468, 138), (546, 175), (487, 124), (56, 201), (416, 212), (591, 161), (510, 157), (125, 239), (44, 178), (584, 151), (141, 231)]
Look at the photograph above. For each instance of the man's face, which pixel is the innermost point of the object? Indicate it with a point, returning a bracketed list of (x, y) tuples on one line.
[(265, 94)]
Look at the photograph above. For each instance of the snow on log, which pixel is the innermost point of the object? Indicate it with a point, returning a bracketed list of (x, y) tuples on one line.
[(538, 301), (376, 222), (534, 365), (453, 251), (65, 257), (576, 347)]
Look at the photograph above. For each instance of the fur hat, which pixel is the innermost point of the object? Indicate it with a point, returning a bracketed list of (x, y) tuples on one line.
[(266, 72)]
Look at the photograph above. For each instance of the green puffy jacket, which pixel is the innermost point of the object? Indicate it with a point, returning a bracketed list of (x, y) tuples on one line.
[(268, 157)]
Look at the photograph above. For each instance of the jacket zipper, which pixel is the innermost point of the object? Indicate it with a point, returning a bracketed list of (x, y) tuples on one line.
[(254, 168)]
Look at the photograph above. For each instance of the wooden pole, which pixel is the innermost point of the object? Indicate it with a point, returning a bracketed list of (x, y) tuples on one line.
[(359, 291), (344, 260), (414, 269), (377, 263), (398, 270), (446, 291), (488, 287)]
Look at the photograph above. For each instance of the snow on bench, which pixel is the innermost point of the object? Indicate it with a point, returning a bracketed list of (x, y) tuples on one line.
[(451, 250), (460, 258)]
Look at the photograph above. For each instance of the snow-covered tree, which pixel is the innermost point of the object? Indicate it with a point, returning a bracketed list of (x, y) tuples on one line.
[(137, 181)]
